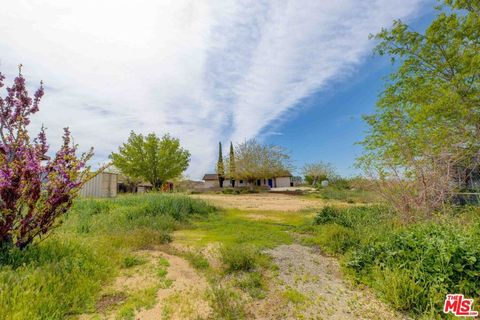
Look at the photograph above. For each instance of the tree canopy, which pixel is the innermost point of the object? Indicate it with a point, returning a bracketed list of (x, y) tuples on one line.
[(318, 171), (151, 158), (427, 120), (254, 160)]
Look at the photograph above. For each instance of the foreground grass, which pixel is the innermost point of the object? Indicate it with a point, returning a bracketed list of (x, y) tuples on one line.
[(64, 274), (244, 271)]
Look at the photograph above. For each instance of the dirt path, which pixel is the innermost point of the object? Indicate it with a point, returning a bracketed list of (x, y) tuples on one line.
[(263, 201), (184, 299), (313, 286)]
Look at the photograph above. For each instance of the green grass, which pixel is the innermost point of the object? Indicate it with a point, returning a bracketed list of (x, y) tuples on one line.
[(232, 227), (241, 241), (197, 260), (64, 274), (294, 296)]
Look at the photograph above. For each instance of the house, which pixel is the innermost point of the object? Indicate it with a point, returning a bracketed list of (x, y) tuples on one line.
[(103, 185), (282, 181)]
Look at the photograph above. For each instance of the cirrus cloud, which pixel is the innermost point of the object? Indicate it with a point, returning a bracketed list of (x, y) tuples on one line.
[(202, 70)]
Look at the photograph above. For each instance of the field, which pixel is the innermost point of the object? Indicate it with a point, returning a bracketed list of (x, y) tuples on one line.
[(255, 256)]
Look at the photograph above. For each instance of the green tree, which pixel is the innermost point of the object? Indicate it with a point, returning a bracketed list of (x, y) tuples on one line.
[(318, 171), (220, 166), (260, 161), (151, 158), (231, 165), (425, 133)]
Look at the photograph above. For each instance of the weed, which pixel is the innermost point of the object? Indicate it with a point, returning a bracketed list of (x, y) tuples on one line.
[(226, 304), (241, 257), (294, 296), (197, 260), (254, 284), (132, 261)]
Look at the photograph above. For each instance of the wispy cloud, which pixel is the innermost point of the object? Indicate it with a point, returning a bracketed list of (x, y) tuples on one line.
[(201, 70)]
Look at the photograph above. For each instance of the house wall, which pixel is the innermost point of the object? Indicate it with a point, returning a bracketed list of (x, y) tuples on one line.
[(282, 182), (103, 185)]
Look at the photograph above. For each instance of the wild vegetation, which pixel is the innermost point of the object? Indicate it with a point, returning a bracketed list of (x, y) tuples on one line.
[(412, 267), (64, 274), (422, 145), (33, 194)]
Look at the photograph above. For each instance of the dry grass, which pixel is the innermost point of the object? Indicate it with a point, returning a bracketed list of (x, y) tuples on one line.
[(265, 201)]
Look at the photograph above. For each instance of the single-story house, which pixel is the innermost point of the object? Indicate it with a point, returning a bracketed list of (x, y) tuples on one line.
[(283, 181)]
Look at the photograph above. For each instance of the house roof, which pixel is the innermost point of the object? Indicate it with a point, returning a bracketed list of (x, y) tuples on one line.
[(210, 176)]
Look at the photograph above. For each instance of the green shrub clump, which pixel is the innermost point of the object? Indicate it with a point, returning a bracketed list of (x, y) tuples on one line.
[(420, 264), (412, 267), (240, 257)]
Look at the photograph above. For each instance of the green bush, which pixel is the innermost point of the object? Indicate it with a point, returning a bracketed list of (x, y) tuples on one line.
[(354, 217), (333, 238), (437, 258), (240, 257)]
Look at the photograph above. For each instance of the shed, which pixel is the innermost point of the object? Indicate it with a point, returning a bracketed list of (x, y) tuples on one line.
[(103, 185), (144, 187)]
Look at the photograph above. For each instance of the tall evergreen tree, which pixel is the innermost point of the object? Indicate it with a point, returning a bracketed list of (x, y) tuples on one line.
[(220, 167), (231, 164)]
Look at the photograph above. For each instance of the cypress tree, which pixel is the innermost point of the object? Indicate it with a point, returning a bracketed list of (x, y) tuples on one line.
[(220, 168), (231, 164)]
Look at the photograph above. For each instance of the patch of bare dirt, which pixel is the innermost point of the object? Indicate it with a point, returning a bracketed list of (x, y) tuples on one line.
[(262, 201), (109, 301), (184, 299), (311, 287)]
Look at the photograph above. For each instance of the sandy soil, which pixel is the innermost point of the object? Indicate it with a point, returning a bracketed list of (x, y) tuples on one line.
[(262, 201), (312, 287), (185, 299)]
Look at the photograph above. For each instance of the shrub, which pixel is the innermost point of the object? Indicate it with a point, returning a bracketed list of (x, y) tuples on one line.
[(33, 194), (355, 217), (240, 257), (132, 261), (333, 238), (327, 215), (438, 258)]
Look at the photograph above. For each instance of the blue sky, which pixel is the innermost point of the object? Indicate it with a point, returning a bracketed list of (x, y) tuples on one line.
[(327, 125), (298, 73)]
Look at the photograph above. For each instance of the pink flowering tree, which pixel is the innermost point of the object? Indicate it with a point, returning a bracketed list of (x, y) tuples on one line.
[(35, 189)]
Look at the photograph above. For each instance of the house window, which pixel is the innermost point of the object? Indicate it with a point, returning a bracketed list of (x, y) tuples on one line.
[(241, 181)]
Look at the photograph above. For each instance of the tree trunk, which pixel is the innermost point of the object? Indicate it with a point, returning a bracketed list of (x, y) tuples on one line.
[(233, 183), (220, 182)]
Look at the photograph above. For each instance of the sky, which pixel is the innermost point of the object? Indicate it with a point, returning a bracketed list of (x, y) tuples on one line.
[(296, 73)]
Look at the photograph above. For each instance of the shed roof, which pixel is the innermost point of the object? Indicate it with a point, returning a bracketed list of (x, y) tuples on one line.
[(210, 176)]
